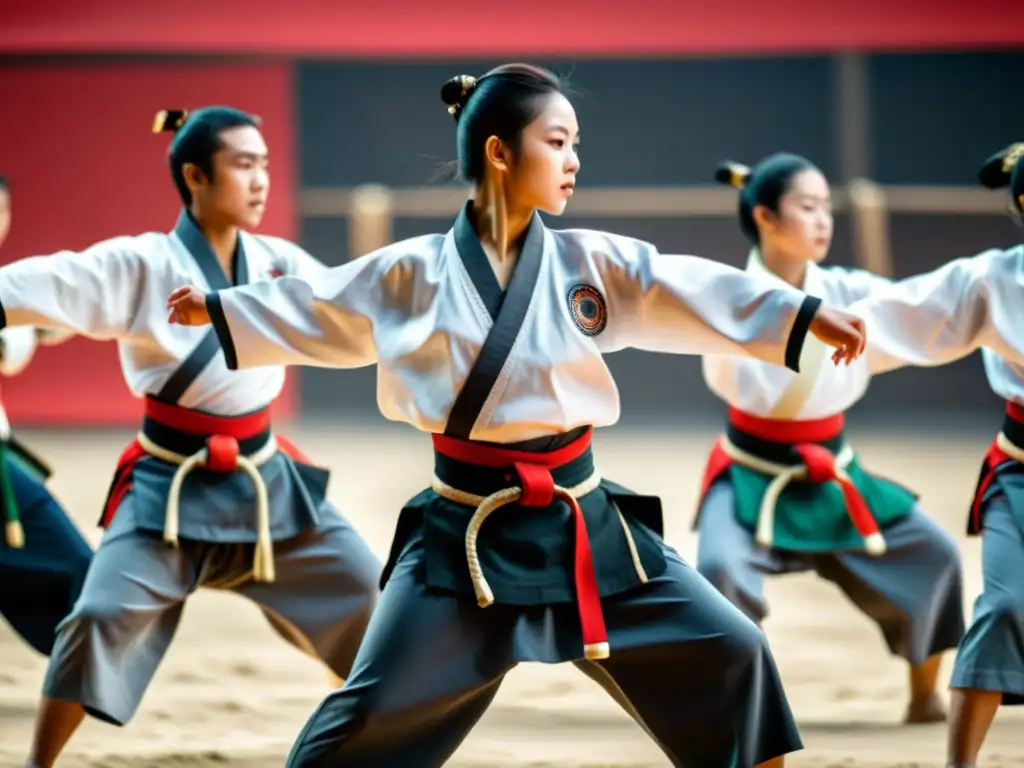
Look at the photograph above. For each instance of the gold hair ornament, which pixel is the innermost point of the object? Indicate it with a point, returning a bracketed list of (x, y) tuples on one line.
[(169, 120), (738, 175), (1013, 154), (468, 83)]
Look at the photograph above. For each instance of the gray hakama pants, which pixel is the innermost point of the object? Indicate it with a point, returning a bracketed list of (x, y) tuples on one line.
[(110, 646), (991, 654), (914, 592), (690, 668), (693, 672)]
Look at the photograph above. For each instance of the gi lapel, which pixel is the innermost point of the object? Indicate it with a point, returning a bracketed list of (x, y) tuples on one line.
[(791, 400), (507, 310), (193, 239)]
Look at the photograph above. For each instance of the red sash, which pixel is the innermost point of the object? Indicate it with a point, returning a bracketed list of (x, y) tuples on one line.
[(994, 458), (221, 435)]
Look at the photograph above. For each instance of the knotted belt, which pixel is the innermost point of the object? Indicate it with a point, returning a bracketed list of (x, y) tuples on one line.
[(818, 465), (220, 452), (536, 488)]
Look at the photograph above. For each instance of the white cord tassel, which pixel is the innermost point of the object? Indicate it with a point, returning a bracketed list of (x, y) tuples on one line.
[(782, 476), (263, 557)]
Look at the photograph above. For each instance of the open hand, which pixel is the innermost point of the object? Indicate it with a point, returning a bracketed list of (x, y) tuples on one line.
[(841, 330), (187, 306)]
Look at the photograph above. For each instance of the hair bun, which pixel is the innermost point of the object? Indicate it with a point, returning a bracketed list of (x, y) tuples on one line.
[(455, 93), (169, 120), (732, 174), (998, 168)]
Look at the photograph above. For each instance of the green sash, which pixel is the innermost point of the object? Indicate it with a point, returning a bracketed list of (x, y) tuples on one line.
[(813, 517)]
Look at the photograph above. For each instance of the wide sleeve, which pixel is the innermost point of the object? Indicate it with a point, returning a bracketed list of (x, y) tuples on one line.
[(944, 315), (327, 322), (95, 292), (694, 306)]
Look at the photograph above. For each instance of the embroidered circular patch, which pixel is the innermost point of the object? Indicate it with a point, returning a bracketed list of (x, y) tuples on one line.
[(588, 309)]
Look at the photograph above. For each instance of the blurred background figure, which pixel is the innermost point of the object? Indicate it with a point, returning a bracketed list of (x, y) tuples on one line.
[(43, 555), (870, 538), (895, 104)]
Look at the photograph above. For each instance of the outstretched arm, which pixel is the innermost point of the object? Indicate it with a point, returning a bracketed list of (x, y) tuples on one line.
[(95, 292), (944, 315), (690, 305), (288, 321)]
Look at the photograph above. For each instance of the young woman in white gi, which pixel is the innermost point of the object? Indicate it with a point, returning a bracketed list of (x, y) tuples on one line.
[(490, 338), (783, 491), (207, 495), (43, 555)]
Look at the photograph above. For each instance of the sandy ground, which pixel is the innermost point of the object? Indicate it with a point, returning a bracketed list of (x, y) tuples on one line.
[(230, 692)]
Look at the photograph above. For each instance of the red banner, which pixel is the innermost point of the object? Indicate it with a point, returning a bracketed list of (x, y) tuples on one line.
[(77, 147), (514, 28)]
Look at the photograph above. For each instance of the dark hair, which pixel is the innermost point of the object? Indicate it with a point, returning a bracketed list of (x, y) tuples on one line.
[(500, 103), (4, 185), (197, 138), (764, 184), (1006, 169)]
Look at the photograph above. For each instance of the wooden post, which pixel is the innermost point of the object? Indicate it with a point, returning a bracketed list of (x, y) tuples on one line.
[(370, 219)]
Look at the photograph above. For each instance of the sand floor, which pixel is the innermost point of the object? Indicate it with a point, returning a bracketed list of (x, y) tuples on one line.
[(230, 692)]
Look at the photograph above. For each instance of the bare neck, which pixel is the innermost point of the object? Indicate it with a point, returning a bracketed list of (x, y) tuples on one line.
[(500, 224), (500, 227)]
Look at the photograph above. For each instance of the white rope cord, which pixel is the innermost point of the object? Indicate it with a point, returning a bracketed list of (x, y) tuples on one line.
[(263, 558), (1014, 452), (485, 506)]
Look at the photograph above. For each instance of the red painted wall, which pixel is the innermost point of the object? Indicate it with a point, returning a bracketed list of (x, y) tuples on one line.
[(77, 148), (515, 28)]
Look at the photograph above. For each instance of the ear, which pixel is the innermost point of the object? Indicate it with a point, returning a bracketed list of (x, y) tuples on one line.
[(497, 154), (194, 176), (1020, 203), (764, 217)]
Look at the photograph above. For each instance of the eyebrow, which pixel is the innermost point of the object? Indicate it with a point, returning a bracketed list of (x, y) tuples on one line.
[(563, 129), (247, 155)]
